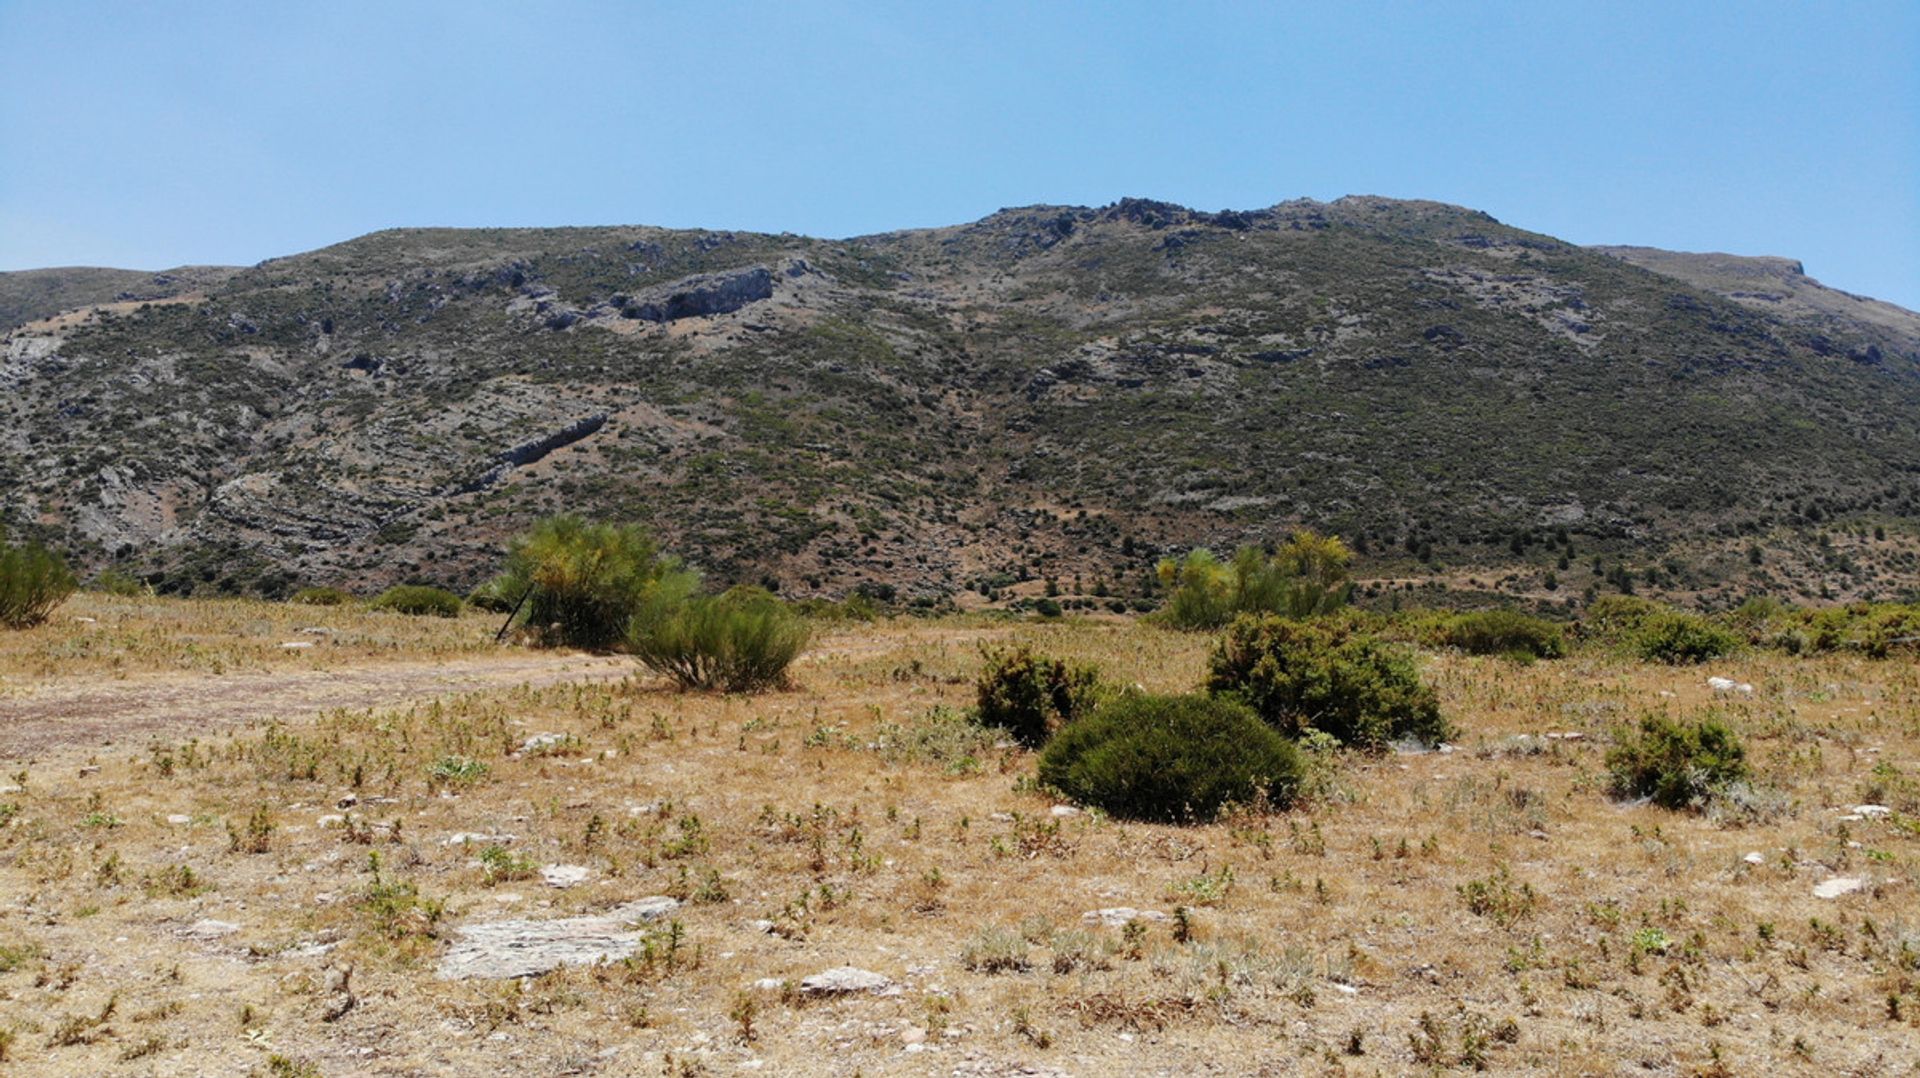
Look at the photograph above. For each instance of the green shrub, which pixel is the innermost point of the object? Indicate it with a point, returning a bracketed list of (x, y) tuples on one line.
[(1171, 758), (1673, 636), (1327, 676), (419, 600), (1306, 576), (1678, 765), (1046, 608), (319, 596), (492, 597), (1031, 696), (33, 580), (1505, 632), (115, 582), (584, 583), (741, 641), (1618, 617)]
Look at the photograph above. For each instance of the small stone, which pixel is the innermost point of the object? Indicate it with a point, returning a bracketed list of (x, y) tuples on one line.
[(1001, 817), (1118, 916), (296, 645), (1872, 811), (476, 838), (913, 1035), (315, 630), (83, 620), (564, 876), (844, 980), (179, 819), (1061, 812), (769, 984), (1537, 833), (331, 819), (763, 926), (347, 801), (1754, 858), (542, 742), (90, 769), (1839, 885), (209, 929)]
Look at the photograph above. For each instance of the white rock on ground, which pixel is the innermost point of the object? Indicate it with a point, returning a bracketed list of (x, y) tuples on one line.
[(527, 948), (844, 980), (1872, 811), (564, 875), (1754, 858), (476, 838), (1837, 886), (542, 741), (1722, 684), (1118, 916), (1059, 812), (209, 929)]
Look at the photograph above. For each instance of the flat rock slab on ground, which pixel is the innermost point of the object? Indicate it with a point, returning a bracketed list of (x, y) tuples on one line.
[(845, 980), (527, 948), (1837, 886), (1118, 916)]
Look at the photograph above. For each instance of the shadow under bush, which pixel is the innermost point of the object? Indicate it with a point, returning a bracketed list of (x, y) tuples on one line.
[(1171, 759)]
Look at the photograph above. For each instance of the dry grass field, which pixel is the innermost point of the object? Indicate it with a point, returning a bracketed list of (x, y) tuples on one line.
[(278, 899)]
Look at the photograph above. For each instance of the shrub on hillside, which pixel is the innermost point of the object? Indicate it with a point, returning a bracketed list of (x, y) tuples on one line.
[(740, 641), (1618, 617), (1171, 758), (584, 582), (33, 581), (1505, 632), (419, 600), (1679, 765), (1032, 696), (1305, 577), (321, 596), (115, 582), (1676, 637), (1327, 676)]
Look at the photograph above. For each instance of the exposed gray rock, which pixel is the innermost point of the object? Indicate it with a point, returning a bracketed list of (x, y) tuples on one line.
[(704, 295), (526, 948), (1118, 916), (1837, 886), (845, 980)]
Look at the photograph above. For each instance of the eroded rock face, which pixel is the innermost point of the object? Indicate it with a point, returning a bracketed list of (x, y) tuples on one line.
[(527, 948), (705, 295)]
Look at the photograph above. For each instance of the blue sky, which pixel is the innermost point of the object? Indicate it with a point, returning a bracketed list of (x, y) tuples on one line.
[(150, 135)]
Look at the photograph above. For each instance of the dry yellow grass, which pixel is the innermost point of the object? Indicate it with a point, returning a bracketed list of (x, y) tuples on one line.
[(1490, 906)]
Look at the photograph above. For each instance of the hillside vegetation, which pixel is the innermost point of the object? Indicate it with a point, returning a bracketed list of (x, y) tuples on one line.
[(1051, 394)]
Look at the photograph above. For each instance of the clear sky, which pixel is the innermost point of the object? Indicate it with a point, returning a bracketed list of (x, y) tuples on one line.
[(154, 134)]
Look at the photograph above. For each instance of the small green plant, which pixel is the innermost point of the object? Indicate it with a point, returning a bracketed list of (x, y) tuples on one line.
[(501, 864), (456, 771), (321, 596), (1676, 637), (33, 581), (1499, 899), (419, 600), (1031, 696), (997, 949), (1505, 632), (740, 641), (256, 836), (1679, 765), (1325, 675), (1171, 758)]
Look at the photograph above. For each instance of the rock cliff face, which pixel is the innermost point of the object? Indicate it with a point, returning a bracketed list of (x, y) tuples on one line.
[(1051, 391)]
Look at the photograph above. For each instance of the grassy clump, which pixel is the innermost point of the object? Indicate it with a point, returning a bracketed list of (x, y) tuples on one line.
[(740, 641), (321, 596), (584, 582), (1328, 676), (33, 581), (1676, 637), (1171, 758), (115, 582), (1679, 765), (419, 600), (1305, 577), (1031, 696), (1505, 632)]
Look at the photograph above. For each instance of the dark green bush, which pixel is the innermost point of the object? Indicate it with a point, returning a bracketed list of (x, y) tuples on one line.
[(319, 596), (1679, 765), (741, 641), (1505, 632), (1618, 617), (1672, 636), (1325, 675), (1171, 758), (33, 580), (585, 582), (1046, 608), (1032, 696), (492, 597), (419, 600)]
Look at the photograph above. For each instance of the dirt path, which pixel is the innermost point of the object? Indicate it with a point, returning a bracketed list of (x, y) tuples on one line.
[(85, 713)]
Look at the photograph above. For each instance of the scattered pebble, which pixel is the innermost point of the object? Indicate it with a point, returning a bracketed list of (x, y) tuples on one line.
[(1872, 811), (564, 876), (1118, 916)]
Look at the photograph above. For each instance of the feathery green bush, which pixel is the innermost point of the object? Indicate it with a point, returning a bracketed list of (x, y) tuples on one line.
[(739, 641), (33, 581), (1306, 576), (1325, 675), (584, 582), (1171, 758), (1504, 632)]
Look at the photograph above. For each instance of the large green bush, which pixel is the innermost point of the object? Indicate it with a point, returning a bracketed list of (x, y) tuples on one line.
[(1679, 765), (1673, 636), (1171, 758), (33, 580), (419, 600), (1031, 696), (1305, 576), (1325, 675), (1505, 632), (740, 641), (584, 582)]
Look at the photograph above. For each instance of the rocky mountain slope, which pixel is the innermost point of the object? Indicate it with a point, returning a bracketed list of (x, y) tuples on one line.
[(1048, 392)]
